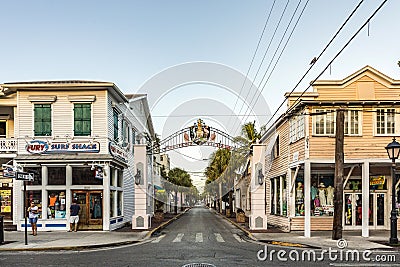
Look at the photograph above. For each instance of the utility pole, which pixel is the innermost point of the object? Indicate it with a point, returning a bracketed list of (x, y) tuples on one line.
[(339, 162)]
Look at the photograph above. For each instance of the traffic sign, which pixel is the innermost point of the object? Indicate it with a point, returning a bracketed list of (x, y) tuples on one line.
[(24, 176)]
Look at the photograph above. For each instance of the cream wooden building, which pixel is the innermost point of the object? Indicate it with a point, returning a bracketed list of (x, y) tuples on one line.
[(300, 168), (78, 139)]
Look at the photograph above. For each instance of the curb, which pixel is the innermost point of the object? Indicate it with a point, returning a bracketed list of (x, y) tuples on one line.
[(147, 236)]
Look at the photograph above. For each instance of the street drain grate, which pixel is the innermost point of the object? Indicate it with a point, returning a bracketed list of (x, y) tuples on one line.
[(199, 265)]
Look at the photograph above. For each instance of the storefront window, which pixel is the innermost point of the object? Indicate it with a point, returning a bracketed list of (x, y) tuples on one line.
[(57, 176), (112, 178), (84, 176), (322, 192), (112, 203), (34, 196), (120, 178), (299, 195), (398, 195), (119, 208), (56, 205), (377, 182), (278, 196), (37, 172)]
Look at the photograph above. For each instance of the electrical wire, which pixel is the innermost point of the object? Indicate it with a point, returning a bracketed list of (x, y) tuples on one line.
[(279, 57), (254, 55), (316, 59)]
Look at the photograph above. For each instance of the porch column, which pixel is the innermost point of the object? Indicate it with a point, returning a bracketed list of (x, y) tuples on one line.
[(365, 199), (307, 198)]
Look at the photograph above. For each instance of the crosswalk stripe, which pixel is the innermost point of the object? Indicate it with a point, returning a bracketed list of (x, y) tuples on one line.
[(219, 237), (238, 238), (199, 237), (178, 238), (158, 239)]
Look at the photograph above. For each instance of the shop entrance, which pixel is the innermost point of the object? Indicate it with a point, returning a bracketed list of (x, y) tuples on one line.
[(377, 210), (353, 210), (91, 213)]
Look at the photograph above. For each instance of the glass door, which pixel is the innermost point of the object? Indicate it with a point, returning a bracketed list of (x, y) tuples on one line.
[(91, 212), (352, 210), (377, 210)]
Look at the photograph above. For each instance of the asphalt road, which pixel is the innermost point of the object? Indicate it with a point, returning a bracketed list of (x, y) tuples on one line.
[(199, 236)]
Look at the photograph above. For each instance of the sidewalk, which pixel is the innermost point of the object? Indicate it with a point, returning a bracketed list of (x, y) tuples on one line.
[(377, 240), (60, 240)]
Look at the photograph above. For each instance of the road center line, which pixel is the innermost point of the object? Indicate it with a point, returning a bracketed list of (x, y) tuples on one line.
[(199, 237)]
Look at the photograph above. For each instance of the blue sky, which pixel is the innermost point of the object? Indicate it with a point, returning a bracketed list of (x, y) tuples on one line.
[(128, 42)]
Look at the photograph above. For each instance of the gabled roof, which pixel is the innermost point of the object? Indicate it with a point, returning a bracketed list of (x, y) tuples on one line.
[(365, 70)]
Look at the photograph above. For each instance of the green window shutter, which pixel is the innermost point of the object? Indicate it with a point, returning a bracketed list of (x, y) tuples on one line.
[(82, 119), (42, 119)]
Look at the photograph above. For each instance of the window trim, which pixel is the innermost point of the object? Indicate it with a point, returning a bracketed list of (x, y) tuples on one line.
[(376, 122)]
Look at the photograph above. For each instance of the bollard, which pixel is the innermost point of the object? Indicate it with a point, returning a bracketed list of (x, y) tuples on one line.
[(1, 230)]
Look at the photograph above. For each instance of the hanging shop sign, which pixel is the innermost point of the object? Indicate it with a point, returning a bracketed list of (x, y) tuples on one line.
[(118, 151), (44, 147), (8, 171), (377, 180)]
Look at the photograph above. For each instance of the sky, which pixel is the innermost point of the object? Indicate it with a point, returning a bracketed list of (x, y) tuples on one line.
[(132, 42)]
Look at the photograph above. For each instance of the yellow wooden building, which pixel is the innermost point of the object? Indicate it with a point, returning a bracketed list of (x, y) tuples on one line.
[(300, 169)]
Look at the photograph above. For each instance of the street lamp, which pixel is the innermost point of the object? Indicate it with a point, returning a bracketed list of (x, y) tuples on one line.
[(138, 176), (393, 150), (260, 177)]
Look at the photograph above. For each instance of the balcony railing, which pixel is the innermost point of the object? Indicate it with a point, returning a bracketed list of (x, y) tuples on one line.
[(8, 145)]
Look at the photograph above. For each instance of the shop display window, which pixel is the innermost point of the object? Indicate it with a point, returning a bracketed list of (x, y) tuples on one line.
[(119, 206), (398, 196), (112, 203), (84, 176), (278, 196), (57, 176), (34, 196), (112, 177), (377, 182), (120, 180), (37, 172), (56, 205), (322, 192)]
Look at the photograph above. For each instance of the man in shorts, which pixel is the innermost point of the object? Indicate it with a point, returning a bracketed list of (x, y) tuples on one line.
[(74, 216)]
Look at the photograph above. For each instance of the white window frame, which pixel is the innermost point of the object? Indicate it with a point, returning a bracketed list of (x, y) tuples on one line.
[(349, 123), (385, 110), (329, 113), (296, 130)]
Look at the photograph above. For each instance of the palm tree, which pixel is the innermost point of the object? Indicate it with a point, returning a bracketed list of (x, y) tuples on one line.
[(179, 178)]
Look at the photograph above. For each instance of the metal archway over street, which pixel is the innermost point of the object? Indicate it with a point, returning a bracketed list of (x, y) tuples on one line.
[(199, 134)]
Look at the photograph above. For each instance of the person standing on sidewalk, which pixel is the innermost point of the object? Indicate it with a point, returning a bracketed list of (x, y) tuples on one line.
[(74, 216), (33, 217)]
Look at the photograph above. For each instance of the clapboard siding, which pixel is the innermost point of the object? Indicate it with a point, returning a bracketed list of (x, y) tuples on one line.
[(317, 223), (63, 115), (280, 222)]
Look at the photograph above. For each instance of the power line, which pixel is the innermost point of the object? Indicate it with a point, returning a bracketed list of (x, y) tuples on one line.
[(341, 50), (322, 52), (265, 54), (280, 55), (254, 55), (284, 47)]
